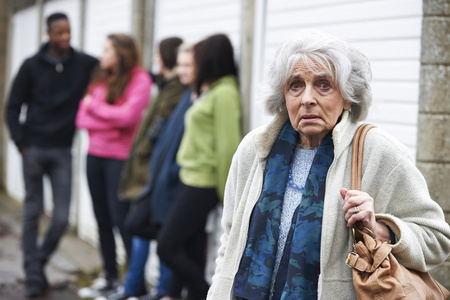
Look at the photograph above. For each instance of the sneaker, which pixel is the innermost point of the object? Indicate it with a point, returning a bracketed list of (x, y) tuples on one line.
[(119, 294), (147, 297), (100, 287), (33, 290), (37, 287)]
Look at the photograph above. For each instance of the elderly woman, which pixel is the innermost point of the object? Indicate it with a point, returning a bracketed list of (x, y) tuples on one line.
[(288, 206)]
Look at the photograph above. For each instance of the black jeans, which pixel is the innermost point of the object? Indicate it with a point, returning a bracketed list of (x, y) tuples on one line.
[(103, 176), (182, 239), (56, 163), (138, 221)]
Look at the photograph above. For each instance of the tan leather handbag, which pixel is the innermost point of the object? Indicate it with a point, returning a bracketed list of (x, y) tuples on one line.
[(376, 272)]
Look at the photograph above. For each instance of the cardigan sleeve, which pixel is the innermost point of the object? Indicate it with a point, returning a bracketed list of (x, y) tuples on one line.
[(418, 221), (227, 131), (137, 98), (227, 221), (402, 201)]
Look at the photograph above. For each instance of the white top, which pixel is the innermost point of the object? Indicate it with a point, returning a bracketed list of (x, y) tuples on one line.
[(300, 167)]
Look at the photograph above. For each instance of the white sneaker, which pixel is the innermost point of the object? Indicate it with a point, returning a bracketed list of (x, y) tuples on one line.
[(99, 287)]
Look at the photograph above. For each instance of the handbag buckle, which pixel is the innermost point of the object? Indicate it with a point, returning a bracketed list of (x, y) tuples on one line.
[(347, 261)]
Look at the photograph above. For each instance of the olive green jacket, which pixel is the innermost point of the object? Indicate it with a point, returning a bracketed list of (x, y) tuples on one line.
[(135, 171)]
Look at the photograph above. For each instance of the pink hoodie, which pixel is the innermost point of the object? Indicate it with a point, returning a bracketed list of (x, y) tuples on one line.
[(112, 127)]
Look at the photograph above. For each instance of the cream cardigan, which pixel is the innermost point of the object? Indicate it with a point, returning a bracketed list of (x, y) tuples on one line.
[(389, 175)]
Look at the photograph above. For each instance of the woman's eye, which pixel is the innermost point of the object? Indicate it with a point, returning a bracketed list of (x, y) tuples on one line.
[(324, 85), (295, 85)]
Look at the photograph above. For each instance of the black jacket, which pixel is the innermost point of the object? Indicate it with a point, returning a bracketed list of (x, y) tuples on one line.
[(51, 92)]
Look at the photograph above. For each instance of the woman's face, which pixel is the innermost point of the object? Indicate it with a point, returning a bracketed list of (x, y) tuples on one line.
[(157, 63), (186, 67), (313, 102), (109, 59)]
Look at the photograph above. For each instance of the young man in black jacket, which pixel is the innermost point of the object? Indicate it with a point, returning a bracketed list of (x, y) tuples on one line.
[(49, 85)]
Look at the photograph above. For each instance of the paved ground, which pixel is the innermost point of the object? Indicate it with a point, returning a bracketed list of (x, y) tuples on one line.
[(73, 265)]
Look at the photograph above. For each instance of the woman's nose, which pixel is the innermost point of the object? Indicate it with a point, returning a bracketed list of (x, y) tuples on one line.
[(308, 96)]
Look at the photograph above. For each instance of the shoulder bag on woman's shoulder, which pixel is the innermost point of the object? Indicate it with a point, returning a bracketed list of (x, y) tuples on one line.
[(376, 272)]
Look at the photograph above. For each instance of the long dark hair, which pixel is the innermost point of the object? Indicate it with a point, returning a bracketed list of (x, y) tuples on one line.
[(214, 58), (128, 57)]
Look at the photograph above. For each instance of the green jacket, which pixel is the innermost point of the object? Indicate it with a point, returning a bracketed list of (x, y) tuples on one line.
[(211, 136), (135, 171)]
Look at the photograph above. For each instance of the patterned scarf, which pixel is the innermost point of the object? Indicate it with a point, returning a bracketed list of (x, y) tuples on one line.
[(300, 264)]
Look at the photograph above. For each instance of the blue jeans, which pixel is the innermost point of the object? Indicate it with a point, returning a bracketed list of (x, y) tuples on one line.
[(135, 278), (56, 163)]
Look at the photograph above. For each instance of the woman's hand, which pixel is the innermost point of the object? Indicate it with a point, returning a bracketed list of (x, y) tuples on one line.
[(358, 206), (86, 100)]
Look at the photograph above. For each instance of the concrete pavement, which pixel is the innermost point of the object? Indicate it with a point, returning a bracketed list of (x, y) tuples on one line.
[(74, 264)]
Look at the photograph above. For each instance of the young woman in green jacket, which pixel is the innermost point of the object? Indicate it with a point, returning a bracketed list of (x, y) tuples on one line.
[(212, 134)]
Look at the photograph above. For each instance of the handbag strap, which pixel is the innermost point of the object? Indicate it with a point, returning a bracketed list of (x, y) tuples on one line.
[(357, 154), (353, 260)]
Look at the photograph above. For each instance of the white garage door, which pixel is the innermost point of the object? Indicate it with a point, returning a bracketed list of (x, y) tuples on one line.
[(388, 32), (24, 43), (196, 19)]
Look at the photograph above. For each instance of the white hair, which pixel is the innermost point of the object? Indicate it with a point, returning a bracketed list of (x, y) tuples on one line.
[(347, 66)]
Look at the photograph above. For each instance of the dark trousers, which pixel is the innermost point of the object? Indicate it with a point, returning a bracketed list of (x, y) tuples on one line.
[(103, 176), (138, 221), (182, 239), (56, 163)]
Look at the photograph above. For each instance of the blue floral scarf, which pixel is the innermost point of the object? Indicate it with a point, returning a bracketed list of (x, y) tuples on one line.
[(299, 269)]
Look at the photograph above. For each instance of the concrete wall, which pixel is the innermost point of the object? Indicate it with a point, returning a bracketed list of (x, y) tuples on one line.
[(5, 14), (433, 151)]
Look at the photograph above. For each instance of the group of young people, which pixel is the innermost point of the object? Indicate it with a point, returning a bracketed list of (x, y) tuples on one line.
[(186, 142), (155, 168)]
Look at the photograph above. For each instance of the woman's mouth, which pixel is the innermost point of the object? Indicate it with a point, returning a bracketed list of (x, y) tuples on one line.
[(310, 118)]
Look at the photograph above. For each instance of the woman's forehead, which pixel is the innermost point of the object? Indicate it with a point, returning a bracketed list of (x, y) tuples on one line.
[(311, 67)]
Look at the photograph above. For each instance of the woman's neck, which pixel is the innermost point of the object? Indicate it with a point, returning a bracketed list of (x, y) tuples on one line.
[(168, 73), (205, 86), (310, 142), (53, 52)]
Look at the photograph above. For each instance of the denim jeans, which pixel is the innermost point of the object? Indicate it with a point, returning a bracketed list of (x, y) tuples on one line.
[(135, 278), (103, 176), (56, 163)]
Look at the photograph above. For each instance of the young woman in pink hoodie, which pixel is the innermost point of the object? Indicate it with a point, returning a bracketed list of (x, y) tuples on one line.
[(111, 112)]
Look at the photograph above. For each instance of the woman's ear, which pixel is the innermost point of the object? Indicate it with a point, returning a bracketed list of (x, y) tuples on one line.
[(347, 105)]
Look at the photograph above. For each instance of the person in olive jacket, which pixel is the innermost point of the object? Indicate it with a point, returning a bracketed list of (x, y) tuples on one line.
[(135, 172), (50, 85)]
